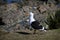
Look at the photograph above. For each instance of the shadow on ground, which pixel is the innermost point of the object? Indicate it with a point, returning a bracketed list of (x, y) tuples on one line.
[(24, 33)]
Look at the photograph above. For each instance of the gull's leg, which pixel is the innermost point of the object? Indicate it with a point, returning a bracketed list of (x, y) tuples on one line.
[(34, 31)]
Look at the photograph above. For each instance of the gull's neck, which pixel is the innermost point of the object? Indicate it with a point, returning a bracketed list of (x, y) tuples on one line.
[(31, 17)]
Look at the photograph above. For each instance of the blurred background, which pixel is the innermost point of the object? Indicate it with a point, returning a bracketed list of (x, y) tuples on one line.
[(13, 15)]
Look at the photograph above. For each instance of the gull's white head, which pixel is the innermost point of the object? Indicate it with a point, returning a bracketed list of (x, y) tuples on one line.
[(31, 13)]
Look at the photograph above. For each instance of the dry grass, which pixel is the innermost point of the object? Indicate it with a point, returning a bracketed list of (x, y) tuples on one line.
[(49, 35)]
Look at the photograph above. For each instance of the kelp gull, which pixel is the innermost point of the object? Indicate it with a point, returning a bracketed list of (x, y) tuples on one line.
[(35, 24)]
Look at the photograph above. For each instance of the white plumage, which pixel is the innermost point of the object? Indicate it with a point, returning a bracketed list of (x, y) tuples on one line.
[(31, 18)]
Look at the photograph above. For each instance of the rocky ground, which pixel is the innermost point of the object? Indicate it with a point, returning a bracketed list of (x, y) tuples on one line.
[(14, 17)]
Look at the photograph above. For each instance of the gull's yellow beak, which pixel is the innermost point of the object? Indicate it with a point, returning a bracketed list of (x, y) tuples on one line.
[(26, 14)]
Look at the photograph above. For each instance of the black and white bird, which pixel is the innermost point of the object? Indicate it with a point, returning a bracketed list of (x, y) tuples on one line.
[(35, 24)]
